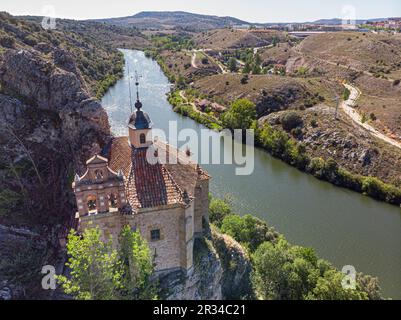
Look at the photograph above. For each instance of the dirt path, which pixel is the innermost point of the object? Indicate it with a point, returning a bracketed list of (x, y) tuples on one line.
[(193, 61), (348, 107), (336, 64)]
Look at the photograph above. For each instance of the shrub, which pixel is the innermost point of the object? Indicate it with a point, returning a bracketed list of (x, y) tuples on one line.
[(291, 120), (346, 94), (7, 41), (218, 210), (240, 116), (30, 40), (313, 123), (286, 272), (248, 230), (244, 79)]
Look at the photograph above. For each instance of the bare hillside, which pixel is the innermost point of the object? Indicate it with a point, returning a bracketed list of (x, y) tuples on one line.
[(232, 38)]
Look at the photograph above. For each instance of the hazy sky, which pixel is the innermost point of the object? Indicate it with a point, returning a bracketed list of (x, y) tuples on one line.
[(249, 10)]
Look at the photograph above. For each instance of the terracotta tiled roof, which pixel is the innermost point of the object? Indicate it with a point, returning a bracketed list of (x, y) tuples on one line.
[(119, 154), (150, 185)]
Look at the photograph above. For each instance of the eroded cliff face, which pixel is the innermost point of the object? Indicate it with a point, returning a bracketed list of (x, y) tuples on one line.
[(49, 126), (221, 271)]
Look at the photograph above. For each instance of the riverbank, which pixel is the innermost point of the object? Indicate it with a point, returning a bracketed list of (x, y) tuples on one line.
[(344, 227), (280, 270), (282, 146)]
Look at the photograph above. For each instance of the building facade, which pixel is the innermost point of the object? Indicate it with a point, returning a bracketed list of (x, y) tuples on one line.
[(130, 184)]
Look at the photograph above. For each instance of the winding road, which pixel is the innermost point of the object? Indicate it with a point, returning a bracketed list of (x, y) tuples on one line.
[(348, 106)]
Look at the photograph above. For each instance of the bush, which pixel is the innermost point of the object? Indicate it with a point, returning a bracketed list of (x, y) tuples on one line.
[(286, 272), (313, 123), (244, 79), (218, 210), (248, 230), (7, 41), (291, 120), (30, 40), (241, 115), (346, 94)]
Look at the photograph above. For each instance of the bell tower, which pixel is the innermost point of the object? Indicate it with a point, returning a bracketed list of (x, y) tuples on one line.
[(139, 125)]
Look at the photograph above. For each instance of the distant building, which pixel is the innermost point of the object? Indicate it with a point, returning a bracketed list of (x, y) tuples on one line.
[(167, 203)]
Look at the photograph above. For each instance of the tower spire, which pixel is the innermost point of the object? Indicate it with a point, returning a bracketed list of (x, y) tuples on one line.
[(129, 87), (138, 104)]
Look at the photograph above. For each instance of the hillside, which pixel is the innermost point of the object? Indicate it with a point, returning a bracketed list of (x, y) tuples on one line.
[(233, 39), (378, 54), (49, 125), (270, 93), (100, 65), (371, 61), (174, 19), (109, 35)]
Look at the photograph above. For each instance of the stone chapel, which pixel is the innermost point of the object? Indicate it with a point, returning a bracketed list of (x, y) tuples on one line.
[(167, 202)]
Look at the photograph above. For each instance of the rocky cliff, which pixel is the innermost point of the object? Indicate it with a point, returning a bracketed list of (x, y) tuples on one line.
[(221, 271), (49, 125)]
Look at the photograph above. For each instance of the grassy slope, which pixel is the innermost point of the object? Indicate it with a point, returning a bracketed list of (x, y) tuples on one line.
[(100, 65)]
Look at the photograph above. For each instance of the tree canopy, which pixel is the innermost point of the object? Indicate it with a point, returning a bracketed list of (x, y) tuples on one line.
[(100, 272), (241, 115)]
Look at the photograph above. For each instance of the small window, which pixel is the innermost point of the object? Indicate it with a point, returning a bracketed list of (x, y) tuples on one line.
[(113, 201), (155, 235), (142, 138), (98, 175)]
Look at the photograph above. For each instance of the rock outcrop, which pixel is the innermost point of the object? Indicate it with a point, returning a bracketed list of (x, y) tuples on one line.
[(49, 126), (222, 270)]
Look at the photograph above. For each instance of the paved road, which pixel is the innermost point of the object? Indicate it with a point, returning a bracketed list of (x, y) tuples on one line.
[(348, 107)]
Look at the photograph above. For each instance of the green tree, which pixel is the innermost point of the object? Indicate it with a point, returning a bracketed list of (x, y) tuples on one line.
[(240, 116), (232, 65), (247, 68), (218, 210), (291, 120), (137, 266), (95, 267), (256, 69), (258, 60), (329, 287), (248, 230), (286, 272), (100, 272)]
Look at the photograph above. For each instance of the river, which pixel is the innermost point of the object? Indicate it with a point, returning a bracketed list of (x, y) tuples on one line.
[(344, 227)]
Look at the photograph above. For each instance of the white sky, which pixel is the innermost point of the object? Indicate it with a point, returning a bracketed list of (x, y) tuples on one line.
[(249, 10)]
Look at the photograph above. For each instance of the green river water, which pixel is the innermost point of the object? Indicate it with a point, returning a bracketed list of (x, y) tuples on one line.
[(344, 227)]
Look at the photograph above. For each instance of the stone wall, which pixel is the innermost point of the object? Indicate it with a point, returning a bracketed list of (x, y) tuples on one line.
[(201, 206), (175, 247)]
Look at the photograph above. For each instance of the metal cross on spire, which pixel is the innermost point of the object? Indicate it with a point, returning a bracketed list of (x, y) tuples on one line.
[(129, 87), (137, 84)]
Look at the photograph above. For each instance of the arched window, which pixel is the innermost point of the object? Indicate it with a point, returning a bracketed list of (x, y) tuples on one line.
[(142, 138), (98, 175), (113, 201), (91, 203)]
